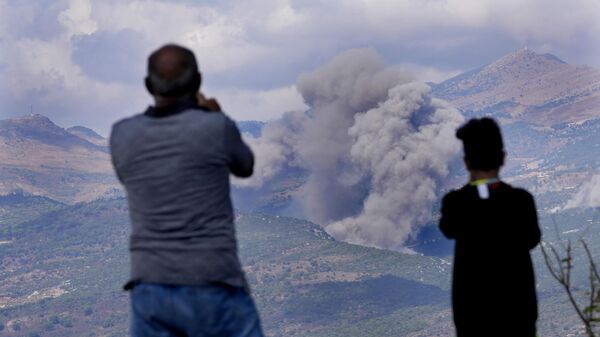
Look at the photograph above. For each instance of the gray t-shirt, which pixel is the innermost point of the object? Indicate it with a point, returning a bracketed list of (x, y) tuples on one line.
[(175, 164)]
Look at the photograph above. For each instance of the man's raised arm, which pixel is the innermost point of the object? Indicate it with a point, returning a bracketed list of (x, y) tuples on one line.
[(241, 158)]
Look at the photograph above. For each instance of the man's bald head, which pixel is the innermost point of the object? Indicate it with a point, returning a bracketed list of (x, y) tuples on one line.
[(173, 72)]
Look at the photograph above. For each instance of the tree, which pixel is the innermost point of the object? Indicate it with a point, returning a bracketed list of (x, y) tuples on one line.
[(560, 266)]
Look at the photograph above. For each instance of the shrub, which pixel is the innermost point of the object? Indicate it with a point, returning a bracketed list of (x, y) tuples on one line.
[(66, 321), (53, 320)]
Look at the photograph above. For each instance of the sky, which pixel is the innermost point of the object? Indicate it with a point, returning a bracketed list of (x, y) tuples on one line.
[(82, 62)]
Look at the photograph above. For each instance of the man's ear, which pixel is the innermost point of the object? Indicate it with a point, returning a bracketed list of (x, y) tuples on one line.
[(149, 87), (503, 158)]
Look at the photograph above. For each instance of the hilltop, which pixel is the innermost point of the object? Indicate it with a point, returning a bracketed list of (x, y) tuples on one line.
[(88, 135), (525, 86), (41, 158)]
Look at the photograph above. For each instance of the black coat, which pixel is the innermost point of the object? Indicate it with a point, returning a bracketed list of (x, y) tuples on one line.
[(493, 287)]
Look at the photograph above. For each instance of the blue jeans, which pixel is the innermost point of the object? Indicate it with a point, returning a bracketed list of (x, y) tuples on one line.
[(193, 311)]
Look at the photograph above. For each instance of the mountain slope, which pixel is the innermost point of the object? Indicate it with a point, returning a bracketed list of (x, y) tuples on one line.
[(540, 89), (88, 135), (74, 260), (41, 158), (61, 275)]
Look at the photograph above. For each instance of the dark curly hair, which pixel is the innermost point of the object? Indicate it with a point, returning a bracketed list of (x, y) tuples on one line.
[(482, 142)]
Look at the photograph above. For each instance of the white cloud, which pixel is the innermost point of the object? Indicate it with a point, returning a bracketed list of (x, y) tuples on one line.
[(254, 50), (218, 39), (76, 18), (284, 17)]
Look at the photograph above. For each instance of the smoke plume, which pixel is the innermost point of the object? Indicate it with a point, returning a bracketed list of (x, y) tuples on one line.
[(375, 145), (404, 145), (275, 149), (587, 196)]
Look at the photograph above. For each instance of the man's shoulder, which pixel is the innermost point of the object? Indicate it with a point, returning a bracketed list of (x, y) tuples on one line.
[(125, 122), (206, 116), (206, 119)]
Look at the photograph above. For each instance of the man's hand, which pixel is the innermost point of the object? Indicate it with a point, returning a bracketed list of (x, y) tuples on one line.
[(210, 104)]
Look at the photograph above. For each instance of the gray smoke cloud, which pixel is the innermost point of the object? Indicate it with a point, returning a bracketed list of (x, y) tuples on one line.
[(276, 148), (375, 145), (353, 82), (404, 145)]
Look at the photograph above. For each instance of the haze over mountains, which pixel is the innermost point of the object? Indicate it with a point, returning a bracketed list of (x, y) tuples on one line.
[(72, 165), (63, 254)]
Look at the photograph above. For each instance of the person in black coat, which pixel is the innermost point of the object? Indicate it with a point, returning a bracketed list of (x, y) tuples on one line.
[(495, 227)]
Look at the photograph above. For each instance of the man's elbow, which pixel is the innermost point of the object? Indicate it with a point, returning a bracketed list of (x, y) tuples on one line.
[(244, 172)]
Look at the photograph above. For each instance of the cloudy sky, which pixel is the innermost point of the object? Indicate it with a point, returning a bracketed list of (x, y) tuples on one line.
[(82, 61)]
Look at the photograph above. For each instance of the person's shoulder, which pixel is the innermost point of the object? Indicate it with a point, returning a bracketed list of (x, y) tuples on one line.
[(127, 121), (217, 120), (517, 193), (199, 116), (454, 195)]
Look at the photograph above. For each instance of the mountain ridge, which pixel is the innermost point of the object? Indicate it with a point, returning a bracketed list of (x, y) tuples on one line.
[(41, 158), (41, 128), (541, 89), (88, 135)]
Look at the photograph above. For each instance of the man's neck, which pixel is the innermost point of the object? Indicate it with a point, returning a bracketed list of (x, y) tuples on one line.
[(165, 109), (160, 102)]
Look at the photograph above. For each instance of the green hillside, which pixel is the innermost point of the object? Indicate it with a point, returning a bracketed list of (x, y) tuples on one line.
[(62, 274), (62, 268)]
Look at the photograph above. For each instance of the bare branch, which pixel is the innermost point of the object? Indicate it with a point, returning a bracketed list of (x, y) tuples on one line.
[(590, 259), (564, 278)]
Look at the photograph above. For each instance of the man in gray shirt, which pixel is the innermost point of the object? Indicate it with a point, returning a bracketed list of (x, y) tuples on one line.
[(174, 161)]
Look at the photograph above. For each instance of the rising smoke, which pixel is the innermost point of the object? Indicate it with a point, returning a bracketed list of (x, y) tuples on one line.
[(375, 145), (404, 145), (276, 148), (587, 196)]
